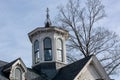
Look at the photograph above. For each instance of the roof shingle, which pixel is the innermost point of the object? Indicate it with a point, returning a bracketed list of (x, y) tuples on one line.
[(70, 71)]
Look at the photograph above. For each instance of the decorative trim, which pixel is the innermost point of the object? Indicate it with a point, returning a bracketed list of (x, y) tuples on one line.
[(38, 31), (18, 64)]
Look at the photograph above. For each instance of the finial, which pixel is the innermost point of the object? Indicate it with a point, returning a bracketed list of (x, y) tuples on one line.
[(48, 22), (47, 13)]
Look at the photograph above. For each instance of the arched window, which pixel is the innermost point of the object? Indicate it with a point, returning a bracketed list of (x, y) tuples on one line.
[(59, 50), (47, 49), (36, 51), (18, 74)]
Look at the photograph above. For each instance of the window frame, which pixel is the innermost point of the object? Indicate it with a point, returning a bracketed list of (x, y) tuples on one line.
[(60, 49), (36, 51), (21, 73), (49, 49)]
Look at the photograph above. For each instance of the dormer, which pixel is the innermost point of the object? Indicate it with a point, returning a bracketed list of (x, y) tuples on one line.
[(15, 70)]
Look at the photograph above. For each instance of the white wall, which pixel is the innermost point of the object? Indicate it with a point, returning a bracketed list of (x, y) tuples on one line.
[(89, 73)]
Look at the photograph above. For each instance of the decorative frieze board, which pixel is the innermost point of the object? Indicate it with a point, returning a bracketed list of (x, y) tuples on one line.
[(41, 30)]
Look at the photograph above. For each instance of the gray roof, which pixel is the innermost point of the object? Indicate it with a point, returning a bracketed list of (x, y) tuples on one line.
[(65, 73), (6, 67), (70, 71), (2, 75), (30, 75), (34, 75), (2, 63), (9, 65)]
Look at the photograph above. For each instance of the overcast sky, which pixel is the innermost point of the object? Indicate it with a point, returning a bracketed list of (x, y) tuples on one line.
[(19, 17)]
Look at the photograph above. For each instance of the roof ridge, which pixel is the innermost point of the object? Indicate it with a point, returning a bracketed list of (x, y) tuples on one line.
[(78, 61), (8, 65), (3, 61)]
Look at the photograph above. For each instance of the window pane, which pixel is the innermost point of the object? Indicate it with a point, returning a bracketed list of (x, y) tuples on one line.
[(37, 57), (47, 49), (59, 55), (36, 46), (36, 51), (59, 50), (59, 44), (18, 74), (47, 43), (48, 55)]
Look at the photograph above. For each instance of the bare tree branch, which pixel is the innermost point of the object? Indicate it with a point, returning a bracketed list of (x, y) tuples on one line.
[(85, 36)]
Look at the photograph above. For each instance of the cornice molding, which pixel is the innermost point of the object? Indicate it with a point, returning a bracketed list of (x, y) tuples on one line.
[(41, 30)]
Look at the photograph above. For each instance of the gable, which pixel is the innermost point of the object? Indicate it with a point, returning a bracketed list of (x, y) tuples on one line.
[(19, 63), (8, 69), (100, 68), (89, 72), (18, 70), (92, 70)]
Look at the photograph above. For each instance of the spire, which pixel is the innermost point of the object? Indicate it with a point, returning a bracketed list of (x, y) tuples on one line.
[(47, 22)]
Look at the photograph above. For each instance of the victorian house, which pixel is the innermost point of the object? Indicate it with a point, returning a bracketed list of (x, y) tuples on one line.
[(49, 59)]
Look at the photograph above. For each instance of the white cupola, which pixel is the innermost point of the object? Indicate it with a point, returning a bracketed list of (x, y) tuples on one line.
[(48, 44)]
